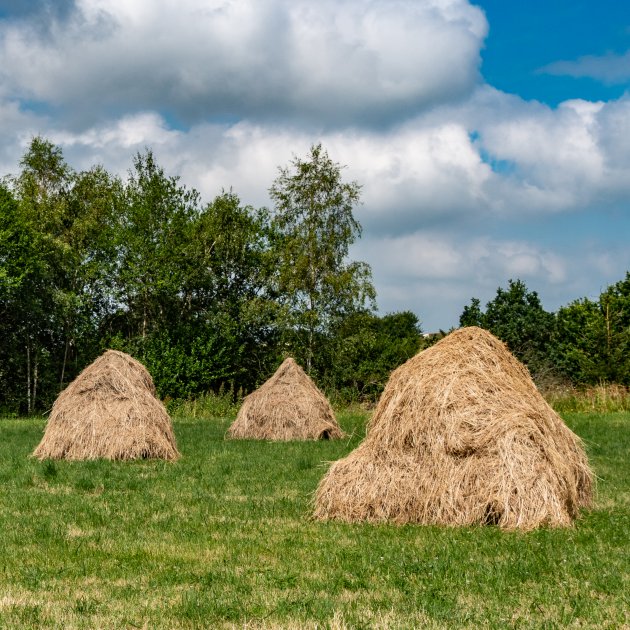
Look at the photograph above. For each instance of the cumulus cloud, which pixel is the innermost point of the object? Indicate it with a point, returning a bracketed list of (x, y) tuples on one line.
[(420, 174), (131, 131), (464, 187), (436, 273), (327, 61), (16, 129), (458, 256)]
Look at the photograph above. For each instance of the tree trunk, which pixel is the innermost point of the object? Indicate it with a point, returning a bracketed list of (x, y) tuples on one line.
[(35, 375), (28, 377), (63, 365)]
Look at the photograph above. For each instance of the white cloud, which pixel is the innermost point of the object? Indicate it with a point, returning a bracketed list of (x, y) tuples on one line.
[(16, 129), (431, 171), (336, 61), (458, 256), (553, 149), (455, 175), (435, 274), (134, 131)]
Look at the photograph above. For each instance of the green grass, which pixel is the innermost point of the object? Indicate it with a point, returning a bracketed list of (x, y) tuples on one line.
[(223, 538)]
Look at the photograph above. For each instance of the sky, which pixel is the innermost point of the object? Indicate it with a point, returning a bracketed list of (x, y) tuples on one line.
[(491, 138)]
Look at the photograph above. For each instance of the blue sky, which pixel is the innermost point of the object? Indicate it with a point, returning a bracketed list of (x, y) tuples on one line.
[(490, 137), (526, 39)]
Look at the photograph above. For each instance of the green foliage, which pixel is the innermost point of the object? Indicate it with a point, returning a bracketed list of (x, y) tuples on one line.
[(581, 331), (615, 307), (224, 403), (155, 216), (363, 351), (593, 338), (516, 316), (55, 251), (193, 286), (315, 227), (586, 342), (216, 295), (233, 292)]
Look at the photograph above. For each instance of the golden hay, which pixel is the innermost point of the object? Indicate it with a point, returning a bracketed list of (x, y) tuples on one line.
[(461, 436), (109, 411), (286, 407)]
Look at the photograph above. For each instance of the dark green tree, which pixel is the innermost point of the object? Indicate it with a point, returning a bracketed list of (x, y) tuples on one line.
[(516, 316), (86, 297), (472, 315), (593, 337), (314, 221), (580, 348), (225, 332), (615, 307), (233, 248), (364, 349), (22, 275), (61, 227), (155, 216), (42, 222)]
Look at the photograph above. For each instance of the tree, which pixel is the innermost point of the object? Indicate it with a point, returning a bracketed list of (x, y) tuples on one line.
[(236, 268), (41, 220), (315, 225), (59, 232), (224, 332), (86, 295), (19, 269), (593, 337), (516, 316), (615, 306), (580, 348), (472, 315), (155, 215), (364, 349)]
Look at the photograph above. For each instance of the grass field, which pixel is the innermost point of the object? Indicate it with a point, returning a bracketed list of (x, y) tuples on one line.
[(223, 538)]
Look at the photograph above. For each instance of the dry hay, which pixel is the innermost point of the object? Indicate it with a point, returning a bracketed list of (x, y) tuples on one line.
[(286, 407), (461, 436), (109, 411)]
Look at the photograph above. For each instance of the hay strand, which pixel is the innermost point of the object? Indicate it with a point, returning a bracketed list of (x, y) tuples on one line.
[(288, 406), (109, 411), (461, 436)]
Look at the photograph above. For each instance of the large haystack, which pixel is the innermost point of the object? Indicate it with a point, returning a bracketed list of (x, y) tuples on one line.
[(461, 436), (286, 407), (109, 411)]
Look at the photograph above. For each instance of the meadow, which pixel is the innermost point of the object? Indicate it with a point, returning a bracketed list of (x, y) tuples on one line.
[(223, 538)]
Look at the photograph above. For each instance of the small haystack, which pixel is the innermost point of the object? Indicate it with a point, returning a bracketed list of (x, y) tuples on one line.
[(109, 411), (286, 407), (461, 436)]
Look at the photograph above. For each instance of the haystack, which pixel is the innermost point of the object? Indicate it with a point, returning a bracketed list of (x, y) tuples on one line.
[(286, 407), (109, 411), (461, 436)]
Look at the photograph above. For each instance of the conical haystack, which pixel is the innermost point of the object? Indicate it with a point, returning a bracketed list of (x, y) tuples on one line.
[(461, 436), (286, 407), (109, 411)]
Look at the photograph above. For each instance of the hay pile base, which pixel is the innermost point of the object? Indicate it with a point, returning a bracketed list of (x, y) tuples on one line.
[(109, 411), (286, 407), (461, 436)]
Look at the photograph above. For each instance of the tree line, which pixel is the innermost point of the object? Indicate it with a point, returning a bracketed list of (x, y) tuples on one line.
[(207, 295), (584, 343), (212, 295)]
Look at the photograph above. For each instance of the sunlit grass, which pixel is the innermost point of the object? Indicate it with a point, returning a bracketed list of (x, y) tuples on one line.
[(223, 538)]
